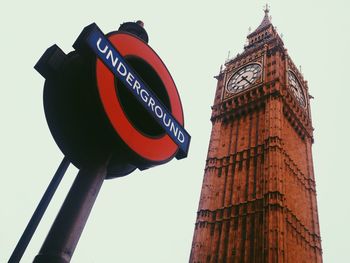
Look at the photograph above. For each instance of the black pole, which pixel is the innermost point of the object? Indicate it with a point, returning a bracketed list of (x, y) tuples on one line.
[(65, 232), (38, 213)]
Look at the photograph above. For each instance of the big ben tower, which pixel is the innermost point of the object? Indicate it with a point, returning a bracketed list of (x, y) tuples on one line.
[(258, 199)]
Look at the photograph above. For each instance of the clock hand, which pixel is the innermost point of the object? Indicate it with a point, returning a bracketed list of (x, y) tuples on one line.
[(246, 79), (240, 80)]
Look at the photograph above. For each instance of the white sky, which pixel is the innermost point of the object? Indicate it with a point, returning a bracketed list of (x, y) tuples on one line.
[(149, 216)]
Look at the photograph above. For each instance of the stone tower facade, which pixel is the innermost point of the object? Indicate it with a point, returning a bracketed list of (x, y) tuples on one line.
[(258, 199)]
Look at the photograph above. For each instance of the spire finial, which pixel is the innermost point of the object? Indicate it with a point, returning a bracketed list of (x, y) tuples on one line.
[(266, 9)]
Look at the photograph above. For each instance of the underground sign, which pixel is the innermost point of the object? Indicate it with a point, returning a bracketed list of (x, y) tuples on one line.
[(113, 95)]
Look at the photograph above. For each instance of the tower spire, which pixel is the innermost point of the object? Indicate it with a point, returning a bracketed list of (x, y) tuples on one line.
[(266, 9), (265, 23)]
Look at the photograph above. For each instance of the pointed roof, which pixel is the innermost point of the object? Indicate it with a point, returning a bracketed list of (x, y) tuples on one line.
[(265, 23)]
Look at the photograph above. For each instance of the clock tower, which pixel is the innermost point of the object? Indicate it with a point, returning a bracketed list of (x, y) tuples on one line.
[(258, 199)]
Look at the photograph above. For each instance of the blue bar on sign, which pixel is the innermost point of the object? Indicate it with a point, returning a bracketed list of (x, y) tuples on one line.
[(105, 50)]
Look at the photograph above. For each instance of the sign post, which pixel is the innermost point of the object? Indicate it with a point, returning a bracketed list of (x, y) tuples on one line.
[(69, 224), (112, 107), (38, 213)]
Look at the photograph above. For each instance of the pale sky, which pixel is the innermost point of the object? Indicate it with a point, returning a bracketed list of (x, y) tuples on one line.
[(149, 216)]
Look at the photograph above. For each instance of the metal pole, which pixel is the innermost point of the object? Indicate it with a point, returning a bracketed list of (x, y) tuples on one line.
[(39, 212), (65, 232)]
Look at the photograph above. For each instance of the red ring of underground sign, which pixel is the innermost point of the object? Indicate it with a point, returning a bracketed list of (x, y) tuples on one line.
[(154, 149)]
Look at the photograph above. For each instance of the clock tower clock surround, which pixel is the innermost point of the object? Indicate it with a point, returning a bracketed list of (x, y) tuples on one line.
[(258, 199)]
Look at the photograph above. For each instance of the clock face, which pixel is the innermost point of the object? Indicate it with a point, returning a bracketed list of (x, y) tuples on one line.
[(244, 78), (296, 88)]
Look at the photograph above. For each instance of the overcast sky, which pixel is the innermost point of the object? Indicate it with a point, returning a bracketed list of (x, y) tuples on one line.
[(149, 216)]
